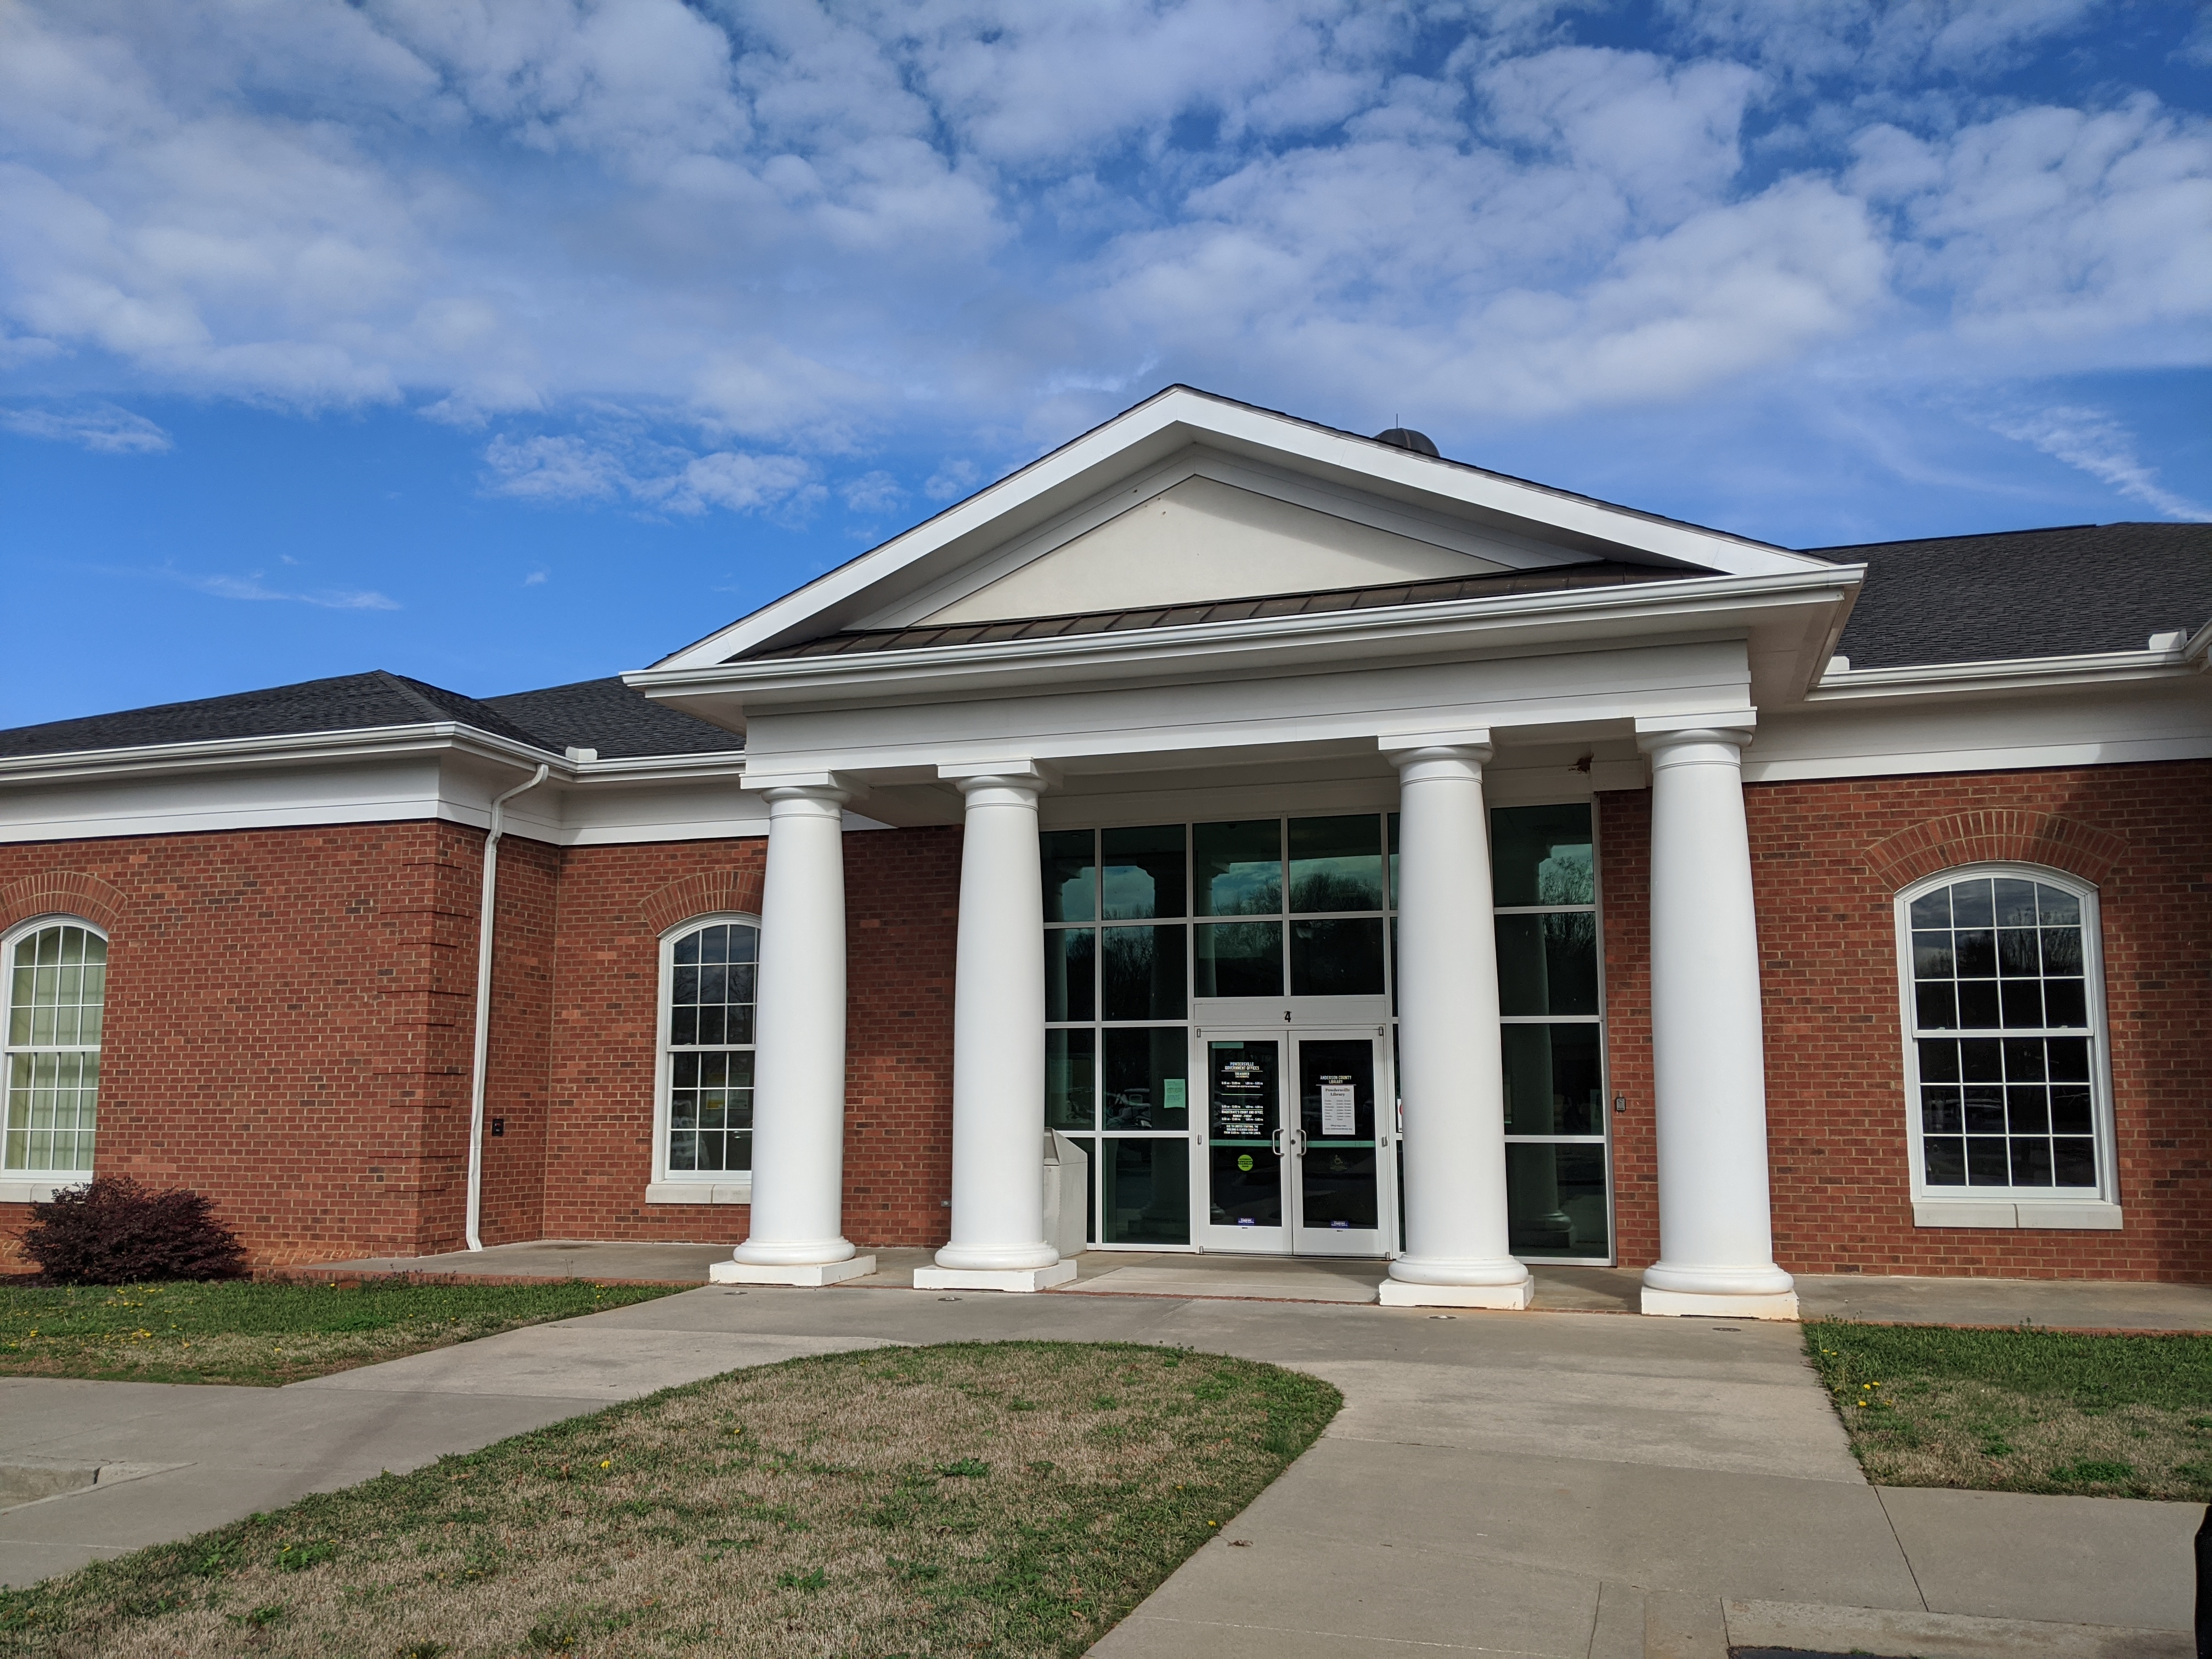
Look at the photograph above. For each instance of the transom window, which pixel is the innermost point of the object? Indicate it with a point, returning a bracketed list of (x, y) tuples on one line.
[(2004, 1014), (710, 973), (57, 994)]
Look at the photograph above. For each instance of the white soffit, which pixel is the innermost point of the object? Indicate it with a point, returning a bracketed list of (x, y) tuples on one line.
[(1443, 503)]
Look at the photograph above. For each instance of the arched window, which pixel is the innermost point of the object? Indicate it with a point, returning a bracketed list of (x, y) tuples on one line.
[(707, 973), (57, 990), (2004, 1059)]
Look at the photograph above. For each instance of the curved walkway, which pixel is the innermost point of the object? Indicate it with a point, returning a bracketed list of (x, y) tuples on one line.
[(1573, 1483)]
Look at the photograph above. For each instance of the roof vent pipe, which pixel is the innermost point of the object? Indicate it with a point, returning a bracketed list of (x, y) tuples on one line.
[(483, 1004), (1404, 437)]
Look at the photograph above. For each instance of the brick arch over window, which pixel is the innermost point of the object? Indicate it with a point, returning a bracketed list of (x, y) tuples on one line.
[(711, 892), (1994, 836), (58, 892)]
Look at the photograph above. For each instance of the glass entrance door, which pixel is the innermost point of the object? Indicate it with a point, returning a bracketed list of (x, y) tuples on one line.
[(1339, 1197), (1296, 1138), (1244, 1203)]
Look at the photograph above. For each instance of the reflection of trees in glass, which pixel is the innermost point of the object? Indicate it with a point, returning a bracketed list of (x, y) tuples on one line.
[(1566, 876), (1337, 885), (1247, 890)]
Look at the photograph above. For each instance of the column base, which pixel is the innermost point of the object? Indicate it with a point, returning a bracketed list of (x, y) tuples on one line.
[(814, 1273), (1397, 1293), (993, 1278), (1676, 1304)]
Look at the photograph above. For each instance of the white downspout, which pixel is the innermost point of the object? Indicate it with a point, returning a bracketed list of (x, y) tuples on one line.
[(484, 1005)]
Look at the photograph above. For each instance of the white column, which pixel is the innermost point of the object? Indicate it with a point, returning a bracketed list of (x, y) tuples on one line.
[(798, 1060), (1708, 1056), (1450, 1067), (998, 1240)]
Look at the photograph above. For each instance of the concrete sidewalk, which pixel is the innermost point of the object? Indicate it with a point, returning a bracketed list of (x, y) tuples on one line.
[(2053, 1303), (1571, 1484)]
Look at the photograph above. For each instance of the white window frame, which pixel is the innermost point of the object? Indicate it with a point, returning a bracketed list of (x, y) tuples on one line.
[(39, 1186), (687, 1186), (2095, 1208)]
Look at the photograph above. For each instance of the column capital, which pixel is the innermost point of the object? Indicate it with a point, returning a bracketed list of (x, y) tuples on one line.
[(1030, 777), (1469, 743), (774, 787), (1659, 735)]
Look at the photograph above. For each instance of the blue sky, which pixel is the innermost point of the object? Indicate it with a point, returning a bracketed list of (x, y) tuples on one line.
[(503, 342)]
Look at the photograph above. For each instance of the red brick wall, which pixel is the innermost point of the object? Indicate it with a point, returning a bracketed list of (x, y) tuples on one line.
[(287, 1024), (615, 903), (902, 903), (518, 1065), (1827, 861)]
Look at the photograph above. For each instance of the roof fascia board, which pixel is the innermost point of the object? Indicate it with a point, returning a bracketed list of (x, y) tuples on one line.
[(2005, 674), (362, 744), (1179, 417), (1701, 603)]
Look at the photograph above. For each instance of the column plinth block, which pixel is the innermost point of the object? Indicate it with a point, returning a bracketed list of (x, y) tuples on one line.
[(986, 1279), (815, 1274), (1399, 1293), (1693, 1305)]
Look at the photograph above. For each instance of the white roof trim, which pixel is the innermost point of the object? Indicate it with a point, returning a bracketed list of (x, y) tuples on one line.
[(1143, 436), (359, 743), (2012, 673)]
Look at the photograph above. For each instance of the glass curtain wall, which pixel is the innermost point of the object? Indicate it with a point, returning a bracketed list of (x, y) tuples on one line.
[(1117, 1014), (1140, 921), (1545, 893)]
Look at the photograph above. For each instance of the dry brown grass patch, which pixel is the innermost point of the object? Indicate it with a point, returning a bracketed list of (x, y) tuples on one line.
[(1007, 1498)]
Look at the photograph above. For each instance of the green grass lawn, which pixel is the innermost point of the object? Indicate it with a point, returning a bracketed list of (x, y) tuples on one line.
[(2023, 1410), (267, 1333), (1005, 1499)]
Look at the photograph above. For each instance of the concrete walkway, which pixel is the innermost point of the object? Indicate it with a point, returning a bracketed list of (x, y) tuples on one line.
[(2056, 1304), (1571, 1484)]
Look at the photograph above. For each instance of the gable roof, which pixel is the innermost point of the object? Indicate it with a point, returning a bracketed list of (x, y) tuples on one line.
[(929, 635), (2061, 592), (605, 714), (1177, 419)]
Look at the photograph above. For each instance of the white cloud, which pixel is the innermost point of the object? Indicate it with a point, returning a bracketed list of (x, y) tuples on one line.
[(251, 587), (872, 492), (955, 476), (2050, 226), (551, 470), (2093, 441), (104, 429), (775, 231)]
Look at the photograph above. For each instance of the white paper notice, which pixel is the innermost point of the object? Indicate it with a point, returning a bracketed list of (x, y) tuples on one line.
[(1339, 1118)]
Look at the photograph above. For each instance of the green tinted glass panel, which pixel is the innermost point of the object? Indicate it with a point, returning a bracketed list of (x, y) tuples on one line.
[(1555, 1200), (1147, 1078), (1143, 872), (1548, 964), (1240, 867), (1554, 1084), (1336, 864), (1070, 880), (1542, 854), (1145, 1190), (1145, 973), (1071, 973), (1069, 1088), (1238, 959), (1340, 957)]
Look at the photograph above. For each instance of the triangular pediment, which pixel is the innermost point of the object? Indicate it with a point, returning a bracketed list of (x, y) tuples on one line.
[(1202, 539), (1193, 499)]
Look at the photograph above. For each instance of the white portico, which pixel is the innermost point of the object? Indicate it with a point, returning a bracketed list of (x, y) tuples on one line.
[(1266, 741)]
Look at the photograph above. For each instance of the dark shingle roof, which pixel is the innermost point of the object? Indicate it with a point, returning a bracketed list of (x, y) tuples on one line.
[(602, 714), (1555, 579), (2026, 592), (608, 716)]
